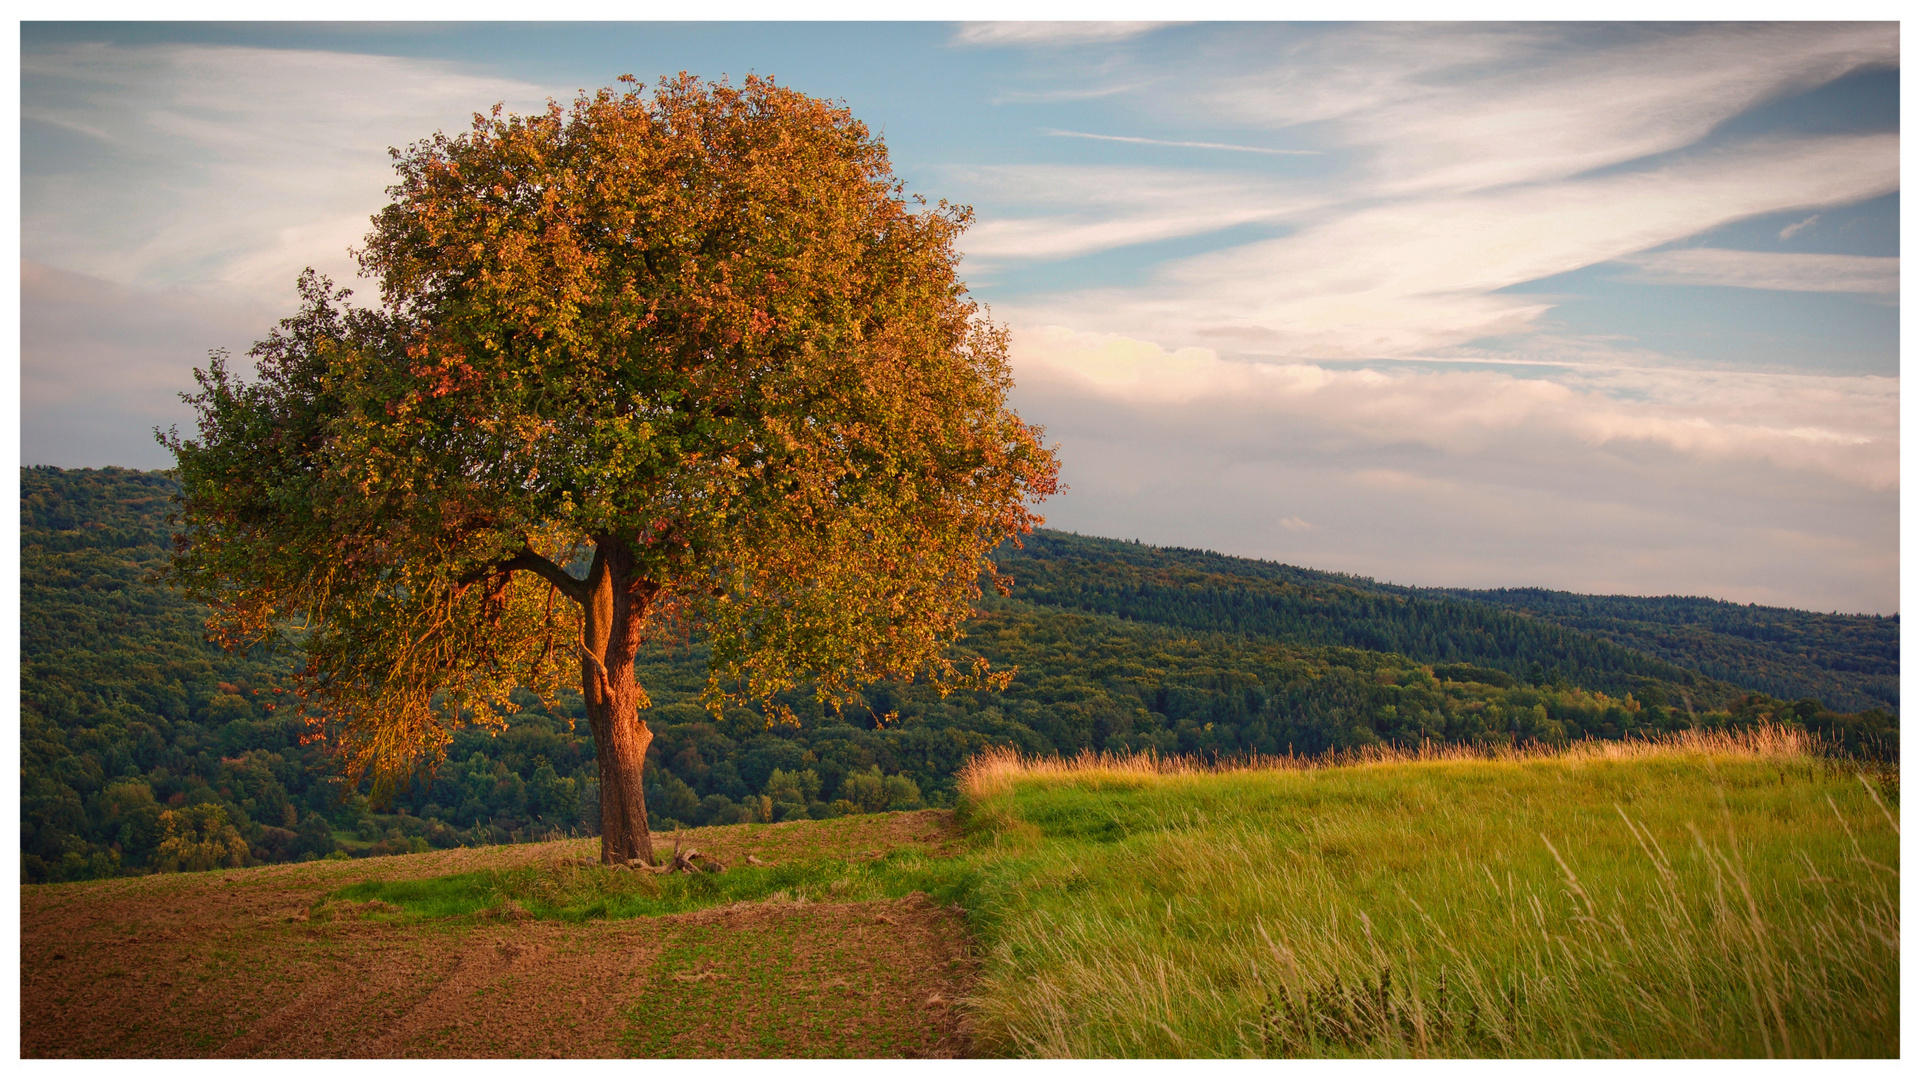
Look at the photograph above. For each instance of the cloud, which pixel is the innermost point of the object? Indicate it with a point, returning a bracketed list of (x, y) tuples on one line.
[(1787, 233), (225, 168), (1171, 142), (1768, 270), (1098, 209), (1466, 160), (1405, 277), (1467, 107), (1626, 480), (1846, 428), (1044, 34)]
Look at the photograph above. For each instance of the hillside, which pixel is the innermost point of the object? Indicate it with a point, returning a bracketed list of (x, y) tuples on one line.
[(145, 748), (1848, 662), (1613, 643)]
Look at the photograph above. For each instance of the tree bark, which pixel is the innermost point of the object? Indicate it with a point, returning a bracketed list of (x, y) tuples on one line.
[(616, 607)]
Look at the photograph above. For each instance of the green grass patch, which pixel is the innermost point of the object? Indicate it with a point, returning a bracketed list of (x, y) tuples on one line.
[(576, 893)]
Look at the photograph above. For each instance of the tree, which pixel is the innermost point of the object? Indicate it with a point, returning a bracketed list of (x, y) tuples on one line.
[(199, 837), (659, 365)]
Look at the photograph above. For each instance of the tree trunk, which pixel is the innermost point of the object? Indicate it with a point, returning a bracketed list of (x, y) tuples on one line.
[(616, 613)]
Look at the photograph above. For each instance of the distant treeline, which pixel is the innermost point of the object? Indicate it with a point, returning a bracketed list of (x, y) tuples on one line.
[(1847, 661), (145, 748), (1209, 592)]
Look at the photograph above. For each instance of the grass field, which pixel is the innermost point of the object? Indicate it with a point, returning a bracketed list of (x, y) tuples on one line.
[(1711, 896), (1724, 897)]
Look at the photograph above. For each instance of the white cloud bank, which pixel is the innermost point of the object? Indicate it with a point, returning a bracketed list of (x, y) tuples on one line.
[(1773, 489), (1844, 427)]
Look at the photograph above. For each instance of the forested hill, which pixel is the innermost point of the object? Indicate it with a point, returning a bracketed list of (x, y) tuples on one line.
[(1205, 591), (1611, 643), (144, 748), (1849, 662)]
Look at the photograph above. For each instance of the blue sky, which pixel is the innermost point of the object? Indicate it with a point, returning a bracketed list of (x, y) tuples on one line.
[(1596, 307)]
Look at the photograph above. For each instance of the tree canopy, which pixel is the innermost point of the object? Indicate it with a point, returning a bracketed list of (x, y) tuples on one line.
[(661, 364)]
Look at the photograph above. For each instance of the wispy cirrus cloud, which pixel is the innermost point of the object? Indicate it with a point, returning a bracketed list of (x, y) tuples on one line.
[(1440, 112), (1798, 226), (1097, 209), (1782, 270), (1459, 108), (1140, 141), (223, 166), (1050, 33), (1405, 277)]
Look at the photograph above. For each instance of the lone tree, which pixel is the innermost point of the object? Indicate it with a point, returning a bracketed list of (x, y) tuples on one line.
[(663, 364)]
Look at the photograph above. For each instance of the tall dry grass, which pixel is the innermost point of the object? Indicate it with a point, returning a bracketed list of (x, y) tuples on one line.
[(1722, 894), (991, 771)]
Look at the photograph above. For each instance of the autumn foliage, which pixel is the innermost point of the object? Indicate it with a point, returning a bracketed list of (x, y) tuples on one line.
[(679, 362)]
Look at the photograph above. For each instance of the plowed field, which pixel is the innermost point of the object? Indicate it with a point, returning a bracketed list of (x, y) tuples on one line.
[(257, 963)]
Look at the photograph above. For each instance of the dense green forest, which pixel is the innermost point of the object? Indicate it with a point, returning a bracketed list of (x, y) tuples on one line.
[(144, 748), (1847, 661)]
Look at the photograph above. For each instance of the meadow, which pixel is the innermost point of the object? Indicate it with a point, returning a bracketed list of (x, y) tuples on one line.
[(1701, 895), (1718, 896)]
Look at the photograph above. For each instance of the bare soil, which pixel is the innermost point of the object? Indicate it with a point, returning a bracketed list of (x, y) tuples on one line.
[(250, 963)]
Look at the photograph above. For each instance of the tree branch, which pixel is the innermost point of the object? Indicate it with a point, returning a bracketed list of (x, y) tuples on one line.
[(529, 559)]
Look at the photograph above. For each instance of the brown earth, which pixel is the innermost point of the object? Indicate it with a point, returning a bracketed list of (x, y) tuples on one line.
[(250, 963)]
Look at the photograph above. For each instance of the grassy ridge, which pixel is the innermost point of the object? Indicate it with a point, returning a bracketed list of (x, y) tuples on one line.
[(1712, 897)]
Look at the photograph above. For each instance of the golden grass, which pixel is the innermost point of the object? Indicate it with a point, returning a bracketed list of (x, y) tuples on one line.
[(993, 770)]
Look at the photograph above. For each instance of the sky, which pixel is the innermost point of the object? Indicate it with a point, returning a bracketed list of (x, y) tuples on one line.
[(1605, 308)]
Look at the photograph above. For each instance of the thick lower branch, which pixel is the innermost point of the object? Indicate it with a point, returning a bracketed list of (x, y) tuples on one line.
[(529, 559)]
